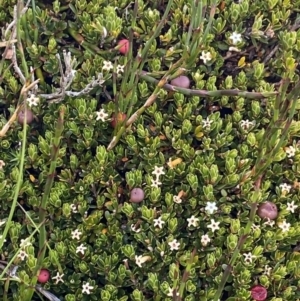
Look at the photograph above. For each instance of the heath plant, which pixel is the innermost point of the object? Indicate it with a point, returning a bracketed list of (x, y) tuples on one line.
[(149, 150)]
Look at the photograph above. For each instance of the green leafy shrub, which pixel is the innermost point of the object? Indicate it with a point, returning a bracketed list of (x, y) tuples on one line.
[(107, 121)]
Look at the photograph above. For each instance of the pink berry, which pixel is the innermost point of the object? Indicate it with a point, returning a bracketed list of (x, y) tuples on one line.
[(137, 195), (44, 276), (124, 46), (29, 116), (181, 81), (267, 210), (259, 293)]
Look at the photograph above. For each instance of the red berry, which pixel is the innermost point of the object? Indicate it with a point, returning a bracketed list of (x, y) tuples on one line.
[(259, 293), (117, 119), (124, 46), (44, 276)]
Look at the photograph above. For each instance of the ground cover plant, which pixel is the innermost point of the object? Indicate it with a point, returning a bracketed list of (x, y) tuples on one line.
[(149, 150)]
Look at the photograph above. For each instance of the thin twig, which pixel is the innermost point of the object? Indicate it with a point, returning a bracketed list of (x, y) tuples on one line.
[(16, 66), (206, 93)]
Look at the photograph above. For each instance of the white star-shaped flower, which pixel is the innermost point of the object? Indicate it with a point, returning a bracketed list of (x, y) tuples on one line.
[(291, 207), (235, 38), (213, 225), (155, 183), (205, 240), (267, 270), (255, 227), (193, 221), (81, 249), (284, 226), (58, 278), (248, 257), (205, 56), (290, 151), (32, 100), (101, 115), (207, 123), (285, 188), (211, 207), (269, 222), (158, 222), (76, 234), (158, 171), (174, 244), (86, 288), (25, 243), (107, 65), (120, 69), (246, 124), (22, 255)]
